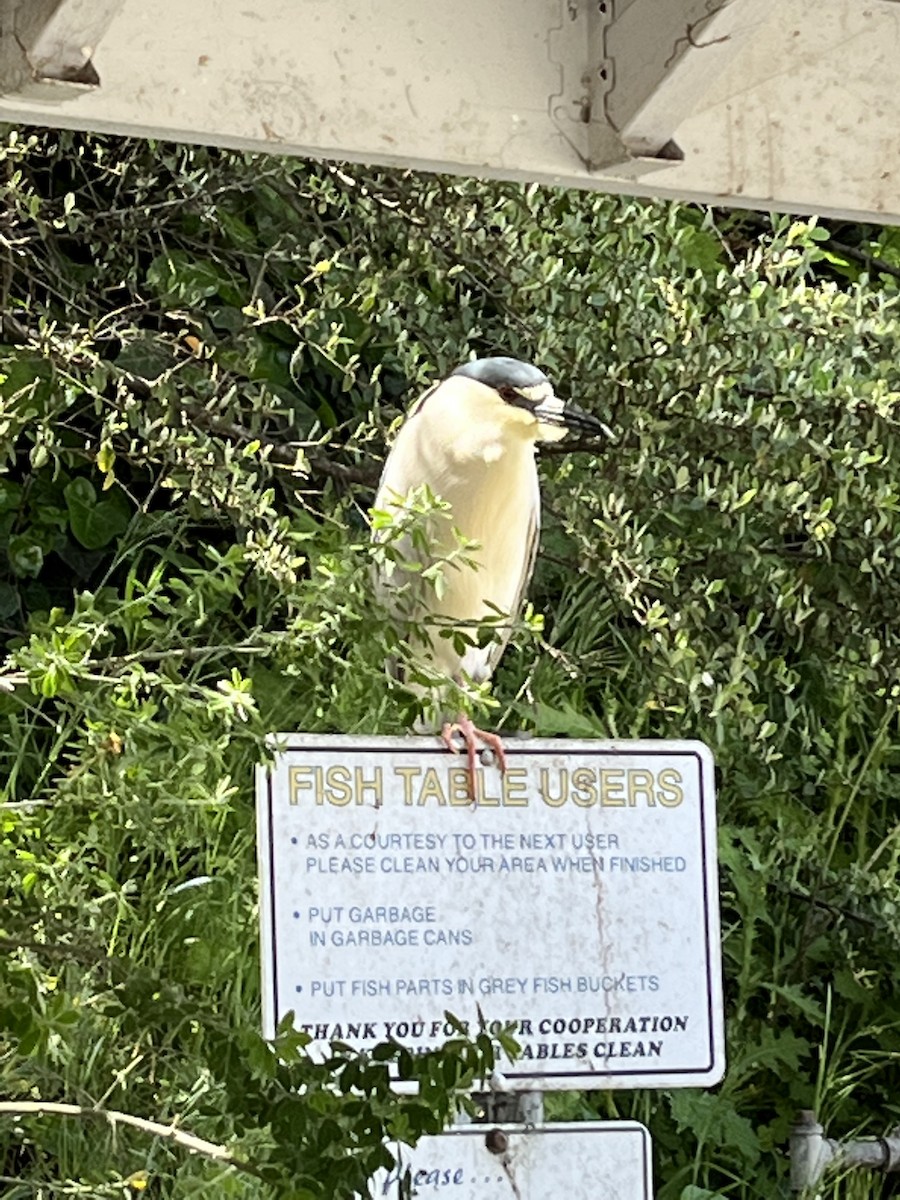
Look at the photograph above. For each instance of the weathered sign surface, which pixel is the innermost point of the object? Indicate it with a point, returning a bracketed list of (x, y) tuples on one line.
[(579, 1161), (577, 898)]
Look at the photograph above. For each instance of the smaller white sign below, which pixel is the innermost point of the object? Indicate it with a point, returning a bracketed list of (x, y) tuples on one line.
[(580, 1161)]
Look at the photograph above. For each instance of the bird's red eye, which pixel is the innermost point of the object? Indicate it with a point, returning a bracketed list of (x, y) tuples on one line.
[(509, 394)]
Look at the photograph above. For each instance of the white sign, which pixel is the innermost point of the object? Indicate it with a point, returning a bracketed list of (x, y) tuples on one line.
[(577, 898), (579, 1161)]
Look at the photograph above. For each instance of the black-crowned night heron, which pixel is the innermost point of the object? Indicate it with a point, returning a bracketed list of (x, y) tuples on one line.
[(471, 439)]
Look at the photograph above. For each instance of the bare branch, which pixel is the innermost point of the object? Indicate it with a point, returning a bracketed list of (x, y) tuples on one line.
[(170, 1133), (293, 454), (869, 261)]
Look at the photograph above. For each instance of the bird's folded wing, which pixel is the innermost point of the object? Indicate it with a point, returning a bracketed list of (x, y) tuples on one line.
[(528, 559)]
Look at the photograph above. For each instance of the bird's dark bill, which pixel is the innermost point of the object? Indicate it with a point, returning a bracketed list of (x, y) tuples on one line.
[(580, 421), (576, 419)]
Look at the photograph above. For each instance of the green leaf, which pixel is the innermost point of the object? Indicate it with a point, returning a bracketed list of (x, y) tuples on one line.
[(180, 279), (26, 557), (94, 522), (9, 600), (146, 357), (10, 495), (713, 1118), (701, 249), (780, 1051)]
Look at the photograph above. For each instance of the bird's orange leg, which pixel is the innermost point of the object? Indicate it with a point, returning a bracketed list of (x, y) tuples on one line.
[(472, 735)]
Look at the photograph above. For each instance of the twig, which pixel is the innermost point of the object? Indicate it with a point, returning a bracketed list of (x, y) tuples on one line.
[(596, 446), (16, 679), (836, 910), (285, 455), (366, 476), (170, 1133), (279, 452), (83, 954), (63, 1188), (186, 652), (868, 260)]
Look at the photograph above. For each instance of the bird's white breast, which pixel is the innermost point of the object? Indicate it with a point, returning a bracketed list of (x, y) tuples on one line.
[(485, 470)]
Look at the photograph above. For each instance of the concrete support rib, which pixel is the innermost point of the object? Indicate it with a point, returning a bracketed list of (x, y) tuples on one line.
[(58, 38), (663, 58)]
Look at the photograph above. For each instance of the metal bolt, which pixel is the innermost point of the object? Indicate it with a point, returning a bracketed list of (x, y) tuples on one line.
[(496, 1141), (487, 757)]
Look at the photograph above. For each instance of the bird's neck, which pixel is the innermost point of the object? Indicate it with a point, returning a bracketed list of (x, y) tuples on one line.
[(486, 443)]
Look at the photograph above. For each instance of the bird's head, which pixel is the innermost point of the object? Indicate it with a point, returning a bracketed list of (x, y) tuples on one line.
[(522, 394)]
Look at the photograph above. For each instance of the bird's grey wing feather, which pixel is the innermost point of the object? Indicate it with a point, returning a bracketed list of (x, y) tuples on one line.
[(528, 560)]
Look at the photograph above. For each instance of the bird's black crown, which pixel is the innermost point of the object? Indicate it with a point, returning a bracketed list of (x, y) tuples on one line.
[(502, 372)]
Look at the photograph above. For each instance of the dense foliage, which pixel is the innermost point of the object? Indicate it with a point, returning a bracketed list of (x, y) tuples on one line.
[(201, 356)]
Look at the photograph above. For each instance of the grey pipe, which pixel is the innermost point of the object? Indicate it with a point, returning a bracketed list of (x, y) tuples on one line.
[(812, 1153)]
